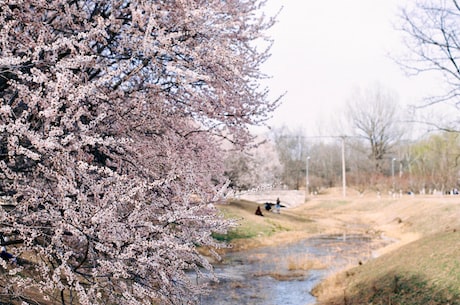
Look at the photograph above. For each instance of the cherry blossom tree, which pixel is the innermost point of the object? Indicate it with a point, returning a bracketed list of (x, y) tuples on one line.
[(110, 122)]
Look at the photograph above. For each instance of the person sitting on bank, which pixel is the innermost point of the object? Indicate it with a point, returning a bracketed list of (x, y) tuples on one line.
[(268, 206), (259, 211), (7, 256)]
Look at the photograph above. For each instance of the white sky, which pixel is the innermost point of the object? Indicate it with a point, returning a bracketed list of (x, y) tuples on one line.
[(325, 49)]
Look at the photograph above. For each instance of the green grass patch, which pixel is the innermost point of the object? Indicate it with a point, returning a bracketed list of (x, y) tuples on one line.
[(246, 231), (253, 226), (277, 227)]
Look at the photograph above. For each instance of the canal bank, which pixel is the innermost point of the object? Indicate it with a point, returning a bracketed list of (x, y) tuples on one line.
[(408, 222)]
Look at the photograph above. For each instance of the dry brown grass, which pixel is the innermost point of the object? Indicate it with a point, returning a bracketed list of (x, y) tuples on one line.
[(417, 269), (304, 262), (408, 270)]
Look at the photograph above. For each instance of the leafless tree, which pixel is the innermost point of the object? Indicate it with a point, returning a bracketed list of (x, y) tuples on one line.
[(360, 168), (373, 115), (325, 163), (432, 35), (291, 147)]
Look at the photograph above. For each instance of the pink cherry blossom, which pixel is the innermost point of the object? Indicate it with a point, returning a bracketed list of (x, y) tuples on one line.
[(111, 119)]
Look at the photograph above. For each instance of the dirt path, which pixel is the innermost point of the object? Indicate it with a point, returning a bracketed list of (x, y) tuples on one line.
[(403, 219)]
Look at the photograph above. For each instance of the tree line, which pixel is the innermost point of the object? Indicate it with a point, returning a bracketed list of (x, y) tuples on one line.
[(423, 166), (373, 142)]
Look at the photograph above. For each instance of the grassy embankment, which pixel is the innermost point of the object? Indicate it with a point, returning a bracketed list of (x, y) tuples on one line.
[(422, 267)]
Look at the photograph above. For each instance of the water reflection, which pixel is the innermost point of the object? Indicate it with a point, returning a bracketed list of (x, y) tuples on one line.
[(286, 274)]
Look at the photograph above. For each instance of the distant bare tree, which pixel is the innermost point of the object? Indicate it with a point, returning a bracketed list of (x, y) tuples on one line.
[(325, 164), (291, 147), (373, 115), (360, 168)]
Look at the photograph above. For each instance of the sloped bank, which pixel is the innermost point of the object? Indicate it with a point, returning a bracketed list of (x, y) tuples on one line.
[(422, 268), (426, 271)]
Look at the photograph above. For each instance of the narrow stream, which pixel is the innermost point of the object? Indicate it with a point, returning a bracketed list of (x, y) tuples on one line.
[(286, 275)]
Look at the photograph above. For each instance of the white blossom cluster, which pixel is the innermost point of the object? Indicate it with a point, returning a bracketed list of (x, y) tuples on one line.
[(110, 119)]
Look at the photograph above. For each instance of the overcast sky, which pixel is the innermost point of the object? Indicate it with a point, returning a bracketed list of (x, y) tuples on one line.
[(323, 50)]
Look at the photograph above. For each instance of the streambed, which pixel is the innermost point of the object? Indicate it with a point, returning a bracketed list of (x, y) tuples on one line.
[(286, 274)]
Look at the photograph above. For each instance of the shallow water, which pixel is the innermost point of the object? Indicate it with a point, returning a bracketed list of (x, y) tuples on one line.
[(286, 274)]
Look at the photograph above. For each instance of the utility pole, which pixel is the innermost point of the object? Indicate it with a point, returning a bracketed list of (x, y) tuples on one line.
[(393, 173), (344, 177), (307, 187)]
